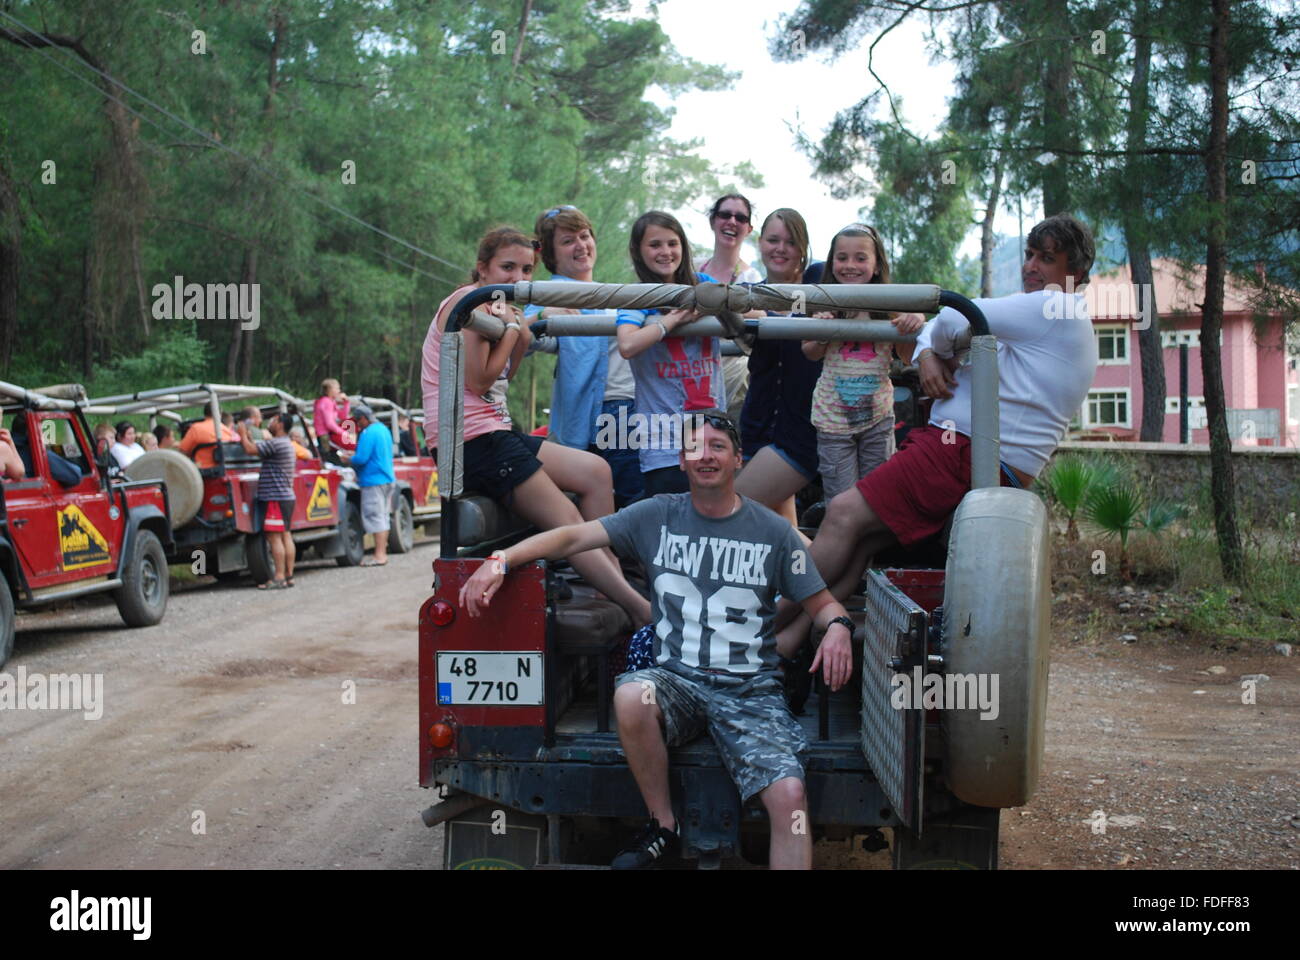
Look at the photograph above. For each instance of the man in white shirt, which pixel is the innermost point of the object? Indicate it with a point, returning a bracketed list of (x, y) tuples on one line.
[(1047, 356)]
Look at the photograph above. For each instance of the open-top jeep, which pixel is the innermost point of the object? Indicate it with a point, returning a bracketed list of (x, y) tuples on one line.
[(66, 529), (213, 506), (515, 704)]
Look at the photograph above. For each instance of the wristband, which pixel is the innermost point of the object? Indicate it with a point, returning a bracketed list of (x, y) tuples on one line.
[(845, 621), (663, 328), (500, 557), (513, 324)]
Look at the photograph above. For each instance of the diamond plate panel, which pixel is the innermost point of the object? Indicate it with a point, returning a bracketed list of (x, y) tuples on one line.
[(893, 739)]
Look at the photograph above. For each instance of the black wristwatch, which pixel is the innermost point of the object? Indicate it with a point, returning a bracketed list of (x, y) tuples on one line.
[(847, 623)]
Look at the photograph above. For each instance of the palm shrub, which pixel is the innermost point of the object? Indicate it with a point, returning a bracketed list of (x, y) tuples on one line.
[(1067, 481), (1160, 513), (1116, 508)]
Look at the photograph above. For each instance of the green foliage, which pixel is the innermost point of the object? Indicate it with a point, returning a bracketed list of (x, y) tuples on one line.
[(1160, 514), (1066, 481), (421, 98), (178, 357), (1114, 508)]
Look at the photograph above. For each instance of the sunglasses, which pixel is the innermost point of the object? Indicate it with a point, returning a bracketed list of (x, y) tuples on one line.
[(725, 424), (731, 215), (555, 211)]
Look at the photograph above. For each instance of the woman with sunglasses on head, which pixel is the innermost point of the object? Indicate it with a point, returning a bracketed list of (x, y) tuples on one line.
[(779, 441), (732, 220), (674, 375), (592, 381), (853, 403), (521, 472)]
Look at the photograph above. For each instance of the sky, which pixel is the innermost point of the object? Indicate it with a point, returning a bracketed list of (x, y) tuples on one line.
[(756, 119)]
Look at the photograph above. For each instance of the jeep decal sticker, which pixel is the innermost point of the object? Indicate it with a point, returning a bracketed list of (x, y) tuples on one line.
[(431, 491), (319, 504), (80, 544)]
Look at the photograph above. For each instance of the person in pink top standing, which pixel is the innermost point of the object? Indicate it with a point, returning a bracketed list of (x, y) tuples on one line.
[(525, 473), (330, 412)]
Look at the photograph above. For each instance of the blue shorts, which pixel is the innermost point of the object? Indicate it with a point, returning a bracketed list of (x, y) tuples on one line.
[(808, 474)]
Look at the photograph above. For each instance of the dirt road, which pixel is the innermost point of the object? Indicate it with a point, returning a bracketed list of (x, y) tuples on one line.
[(234, 706)]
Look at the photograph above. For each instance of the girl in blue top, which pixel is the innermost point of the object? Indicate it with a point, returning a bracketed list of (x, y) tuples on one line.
[(674, 375)]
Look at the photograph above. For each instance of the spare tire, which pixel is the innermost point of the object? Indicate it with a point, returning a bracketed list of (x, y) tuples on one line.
[(997, 623), (184, 484)]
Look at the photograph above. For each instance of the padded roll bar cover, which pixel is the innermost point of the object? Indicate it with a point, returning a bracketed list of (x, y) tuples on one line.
[(997, 621)]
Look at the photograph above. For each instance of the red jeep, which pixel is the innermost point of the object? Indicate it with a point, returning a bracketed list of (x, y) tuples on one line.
[(212, 506), (515, 726), (66, 530)]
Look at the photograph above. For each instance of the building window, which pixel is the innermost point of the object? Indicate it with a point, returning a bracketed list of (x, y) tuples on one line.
[(1106, 408), (1293, 403), (1196, 416), (1112, 344), (1172, 339)]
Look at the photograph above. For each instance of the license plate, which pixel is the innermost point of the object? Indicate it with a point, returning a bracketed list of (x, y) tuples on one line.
[(490, 677)]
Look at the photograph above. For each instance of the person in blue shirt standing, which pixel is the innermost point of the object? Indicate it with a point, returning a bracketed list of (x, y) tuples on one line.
[(373, 462)]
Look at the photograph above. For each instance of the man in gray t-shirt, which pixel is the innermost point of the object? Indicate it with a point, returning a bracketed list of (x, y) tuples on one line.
[(716, 563)]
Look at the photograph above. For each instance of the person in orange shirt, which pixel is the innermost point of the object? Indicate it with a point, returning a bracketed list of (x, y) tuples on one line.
[(200, 432), (299, 439)]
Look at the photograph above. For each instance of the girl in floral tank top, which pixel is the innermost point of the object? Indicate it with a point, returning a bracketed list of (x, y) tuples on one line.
[(853, 402)]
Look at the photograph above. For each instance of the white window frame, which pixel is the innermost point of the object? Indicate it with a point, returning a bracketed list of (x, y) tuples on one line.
[(1121, 339), (1124, 392), (1170, 339), (1193, 403)]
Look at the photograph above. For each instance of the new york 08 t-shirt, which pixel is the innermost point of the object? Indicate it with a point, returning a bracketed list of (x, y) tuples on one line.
[(714, 581)]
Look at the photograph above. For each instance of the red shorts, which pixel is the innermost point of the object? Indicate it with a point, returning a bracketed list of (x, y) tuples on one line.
[(916, 490)]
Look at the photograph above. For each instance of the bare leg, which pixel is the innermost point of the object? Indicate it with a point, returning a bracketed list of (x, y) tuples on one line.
[(642, 738), (540, 502), (582, 473), (585, 474), (850, 534), (772, 482), (787, 809), (290, 554), (277, 554)]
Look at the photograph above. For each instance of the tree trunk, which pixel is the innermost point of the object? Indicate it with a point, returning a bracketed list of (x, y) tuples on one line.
[(11, 241), (1222, 486), (249, 278), (89, 313), (1139, 252), (986, 230), (1058, 124)]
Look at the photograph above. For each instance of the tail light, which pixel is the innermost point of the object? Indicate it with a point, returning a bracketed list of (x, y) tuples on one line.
[(442, 613), (441, 735)]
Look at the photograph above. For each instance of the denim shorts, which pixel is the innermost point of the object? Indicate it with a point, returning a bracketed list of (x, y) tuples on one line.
[(497, 462)]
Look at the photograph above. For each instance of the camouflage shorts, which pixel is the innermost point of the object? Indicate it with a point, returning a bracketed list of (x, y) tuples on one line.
[(759, 740)]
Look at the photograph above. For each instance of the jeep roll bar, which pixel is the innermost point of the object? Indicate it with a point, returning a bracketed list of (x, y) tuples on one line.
[(720, 304)]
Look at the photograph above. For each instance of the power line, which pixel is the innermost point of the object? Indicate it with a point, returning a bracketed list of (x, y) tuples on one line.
[(213, 141)]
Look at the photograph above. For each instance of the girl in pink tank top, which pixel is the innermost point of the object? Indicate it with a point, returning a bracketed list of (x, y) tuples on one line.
[(523, 473)]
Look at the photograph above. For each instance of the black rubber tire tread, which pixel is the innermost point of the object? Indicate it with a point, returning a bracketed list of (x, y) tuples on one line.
[(142, 598)]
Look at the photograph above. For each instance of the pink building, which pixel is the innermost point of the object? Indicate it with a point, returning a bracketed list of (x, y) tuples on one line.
[(1260, 378)]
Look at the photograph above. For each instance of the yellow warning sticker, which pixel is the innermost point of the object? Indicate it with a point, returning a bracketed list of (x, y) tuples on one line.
[(431, 491), (80, 544), (320, 506)]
